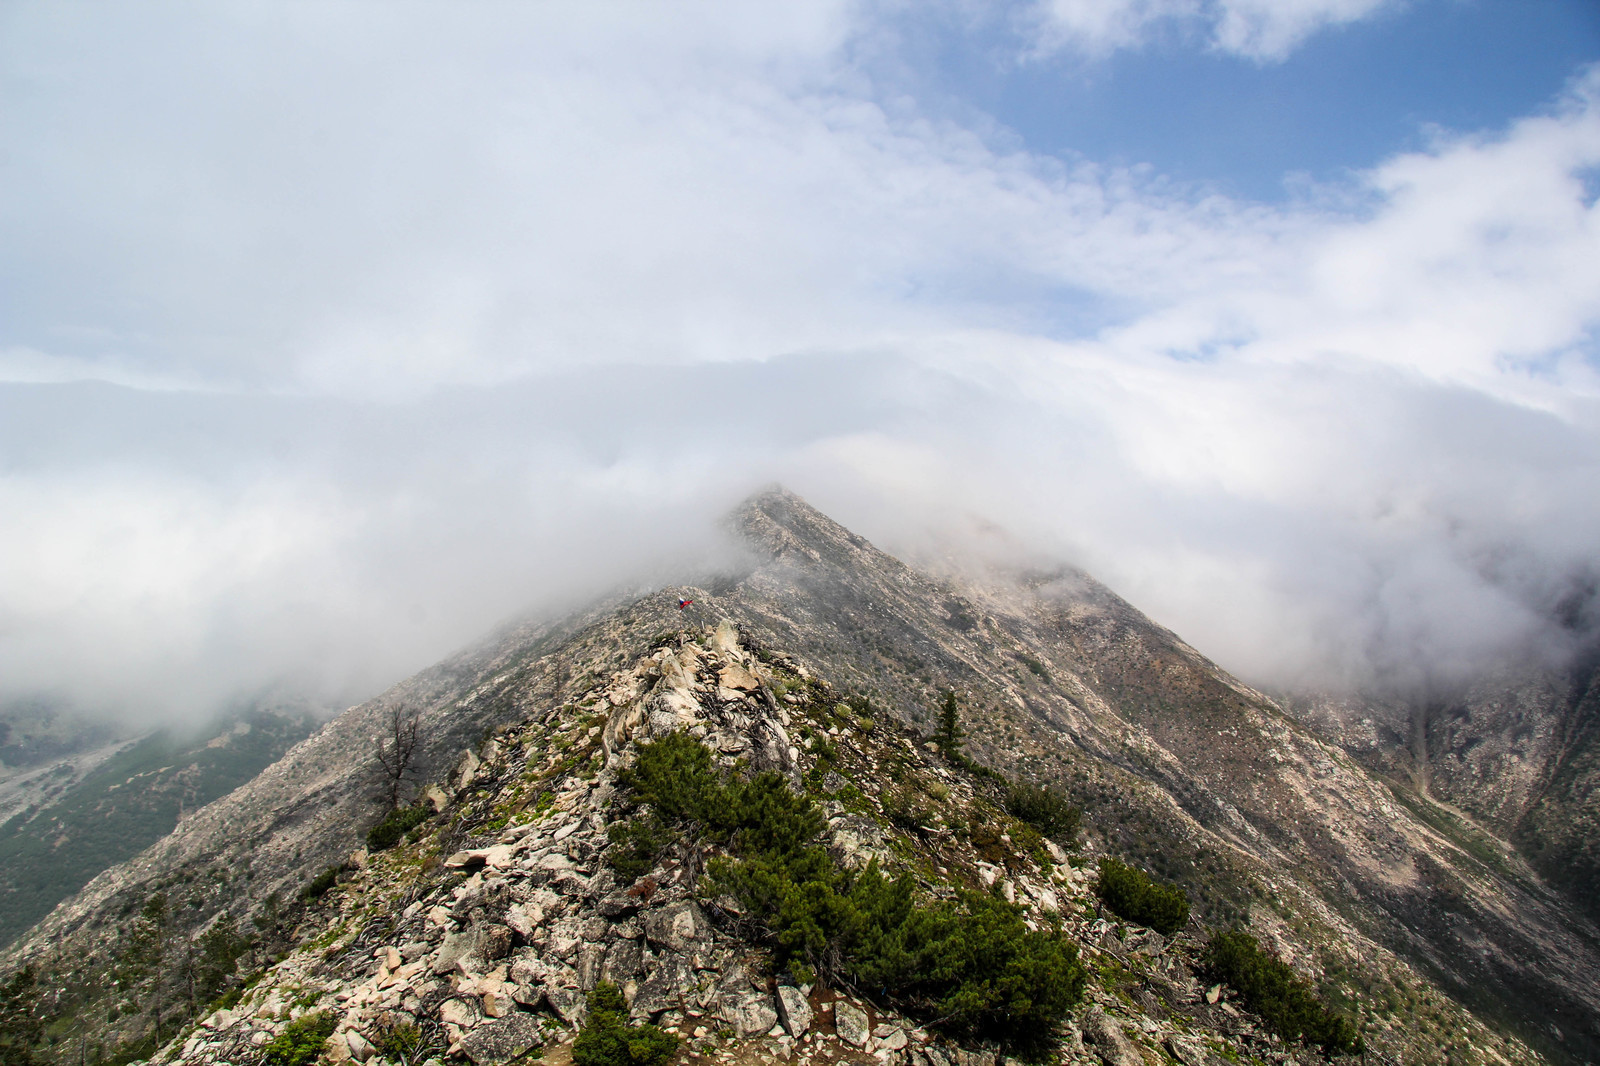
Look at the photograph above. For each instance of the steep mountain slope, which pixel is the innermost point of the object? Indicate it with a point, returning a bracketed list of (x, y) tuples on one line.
[(1510, 761), (101, 807), (1179, 767), (486, 953), (1081, 688)]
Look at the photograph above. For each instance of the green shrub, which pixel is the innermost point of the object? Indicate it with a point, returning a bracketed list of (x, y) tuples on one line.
[(1045, 809), (971, 962), (969, 965), (1131, 894), (635, 845), (1285, 1000), (301, 1041), (387, 833), (399, 1042), (905, 808), (949, 733), (407, 1043), (21, 1022), (320, 884), (607, 1039)]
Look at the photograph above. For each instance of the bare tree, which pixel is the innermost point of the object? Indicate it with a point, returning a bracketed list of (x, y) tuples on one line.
[(397, 750)]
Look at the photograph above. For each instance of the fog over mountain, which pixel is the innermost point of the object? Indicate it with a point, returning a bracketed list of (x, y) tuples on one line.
[(329, 341)]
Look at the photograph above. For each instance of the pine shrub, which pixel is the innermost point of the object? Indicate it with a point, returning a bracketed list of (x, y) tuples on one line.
[(301, 1041), (1132, 895), (1045, 809), (319, 885), (970, 965), (607, 1039), (1284, 999), (396, 824)]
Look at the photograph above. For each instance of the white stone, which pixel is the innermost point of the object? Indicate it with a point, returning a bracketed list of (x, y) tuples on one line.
[(361, 1048), (851, 1023)]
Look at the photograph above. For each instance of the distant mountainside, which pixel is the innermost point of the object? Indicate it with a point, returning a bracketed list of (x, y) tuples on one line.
[(101, 807), (1513, 757), (1446, 945), (36, 733)]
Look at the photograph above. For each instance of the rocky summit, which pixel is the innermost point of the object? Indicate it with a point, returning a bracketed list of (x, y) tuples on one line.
[(836, 810)]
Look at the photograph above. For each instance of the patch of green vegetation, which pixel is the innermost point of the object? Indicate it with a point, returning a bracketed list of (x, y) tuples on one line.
[(129, 802), (906, 808), (1453, 829), (1285, 1001), (949, 735), (969, 964), (607, 1039), (407, 1043), (395, 825), (635, 844), (1131, 894), (21, 1023), (1045, 809), (301, 1041), (1034, 665), (322, 883)]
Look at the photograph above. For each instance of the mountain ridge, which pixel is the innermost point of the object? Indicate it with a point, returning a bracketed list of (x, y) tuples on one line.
[(1178, 765)]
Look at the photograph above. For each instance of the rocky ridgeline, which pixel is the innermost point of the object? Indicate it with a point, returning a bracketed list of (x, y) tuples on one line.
[(481, 937)]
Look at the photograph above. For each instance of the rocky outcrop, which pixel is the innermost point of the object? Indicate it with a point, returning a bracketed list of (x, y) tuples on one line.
[(489, 954)]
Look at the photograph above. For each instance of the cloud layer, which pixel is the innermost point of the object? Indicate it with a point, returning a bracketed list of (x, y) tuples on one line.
[(1262, 30), (419, 321)]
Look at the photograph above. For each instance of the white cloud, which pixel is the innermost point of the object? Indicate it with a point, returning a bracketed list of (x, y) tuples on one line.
[(427, 319), (1262, 30)]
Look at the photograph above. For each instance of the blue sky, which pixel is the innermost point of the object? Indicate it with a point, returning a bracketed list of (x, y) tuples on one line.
[(1343, 100), (331, 335)]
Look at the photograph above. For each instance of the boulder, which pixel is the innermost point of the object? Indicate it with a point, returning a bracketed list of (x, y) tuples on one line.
[(462, 1010), (456, 946), (360, 1047), (851, 1022), (591, 958), (494, 942), (570, 1005), (337, 1052), (680, 927), (664, 988), (1148, 942), (624, 959), (1110, 1042), (737, 678), (464, 771), (617, 905), (434, 797), (750, 1013), (1191, 1051), (571, 883), (793, 1010), (520, 921), (497, 1003), (502, 1040)]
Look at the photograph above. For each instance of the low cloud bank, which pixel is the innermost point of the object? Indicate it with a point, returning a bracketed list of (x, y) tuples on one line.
[(332, 342)]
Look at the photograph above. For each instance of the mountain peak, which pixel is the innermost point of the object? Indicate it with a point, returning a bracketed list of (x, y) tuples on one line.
[(829, 662), (782, 523)]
